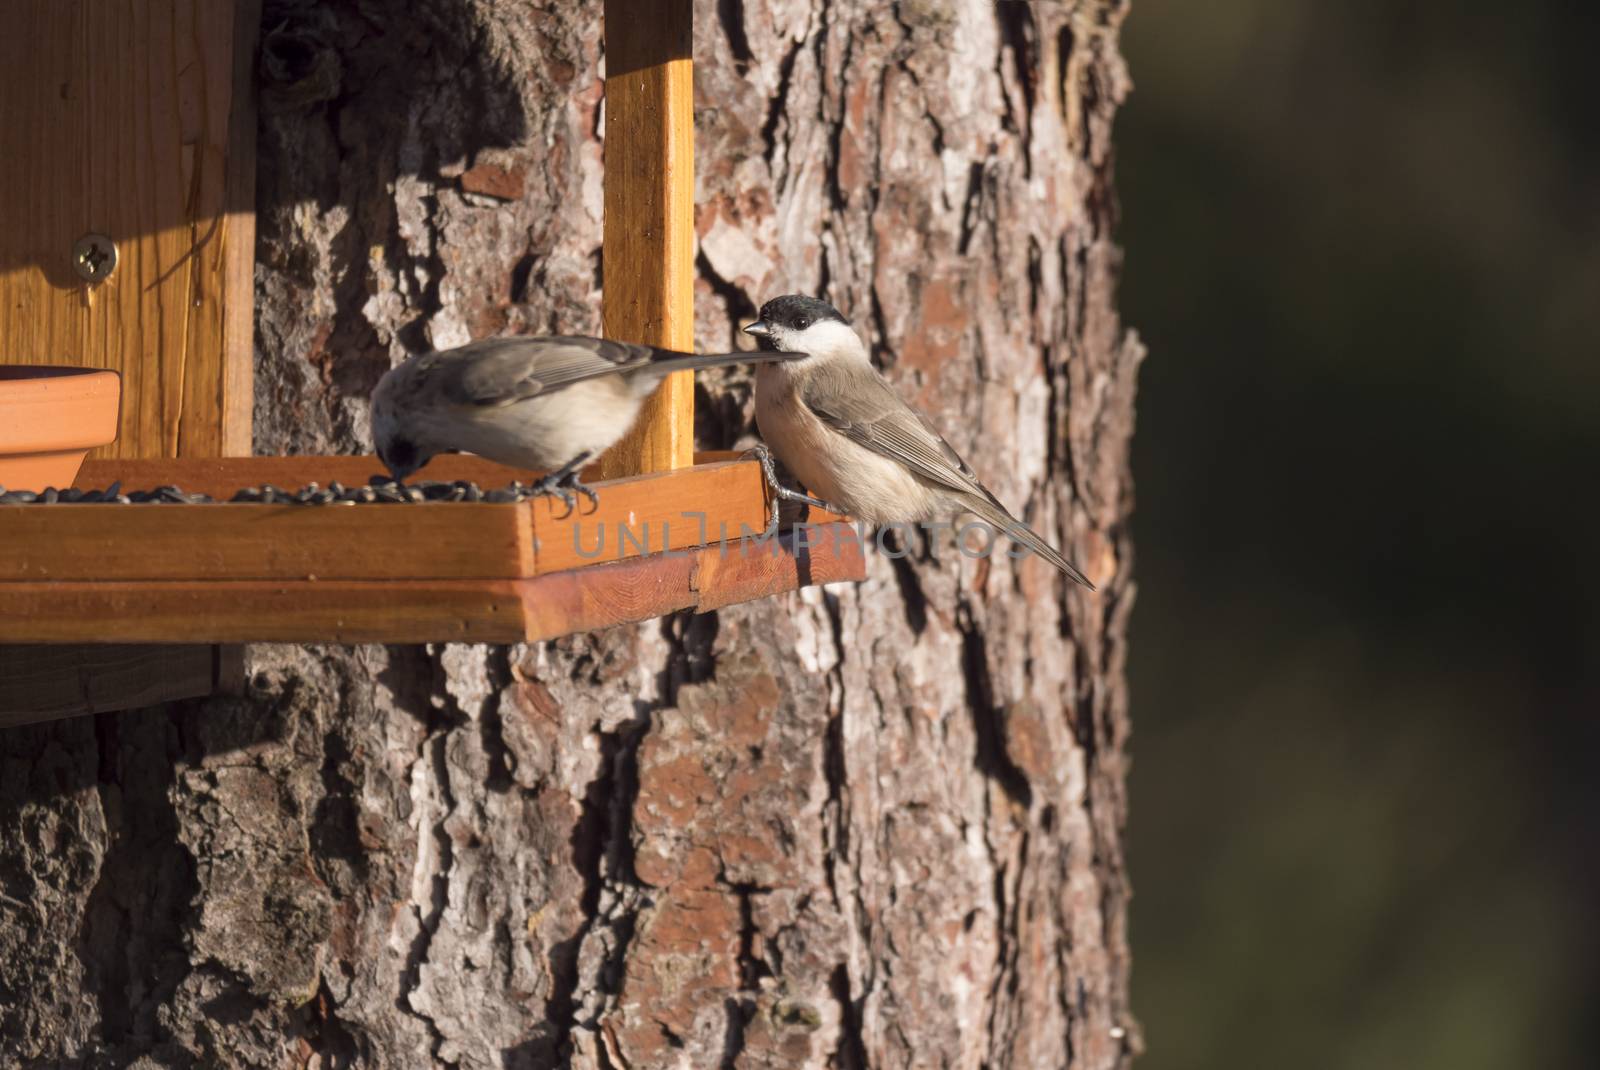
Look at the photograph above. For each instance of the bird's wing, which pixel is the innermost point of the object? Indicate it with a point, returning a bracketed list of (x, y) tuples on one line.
[(861, 405), (499, 371)]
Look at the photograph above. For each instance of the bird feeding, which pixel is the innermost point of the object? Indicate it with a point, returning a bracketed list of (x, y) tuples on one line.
[(379, 490)]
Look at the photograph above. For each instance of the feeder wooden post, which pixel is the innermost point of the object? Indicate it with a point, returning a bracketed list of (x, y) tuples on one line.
[(131, 127), (649, 216), (134, 123)]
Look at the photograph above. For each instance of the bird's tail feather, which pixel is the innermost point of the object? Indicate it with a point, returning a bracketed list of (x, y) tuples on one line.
[(1017, 530), (667, 360)]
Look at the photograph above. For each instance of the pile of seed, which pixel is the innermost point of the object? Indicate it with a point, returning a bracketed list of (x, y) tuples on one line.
[(379, 490)]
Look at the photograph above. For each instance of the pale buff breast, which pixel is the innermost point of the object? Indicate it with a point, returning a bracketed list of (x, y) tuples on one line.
[(832, 467)]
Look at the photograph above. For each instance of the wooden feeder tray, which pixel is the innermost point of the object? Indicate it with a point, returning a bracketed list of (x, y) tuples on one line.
[(398, 573), (136, 597)]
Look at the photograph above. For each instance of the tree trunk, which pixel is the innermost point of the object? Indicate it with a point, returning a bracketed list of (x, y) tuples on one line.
[(872, 826)]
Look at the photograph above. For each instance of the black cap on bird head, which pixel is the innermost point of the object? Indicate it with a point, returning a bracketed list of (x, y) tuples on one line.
[(793, 312)]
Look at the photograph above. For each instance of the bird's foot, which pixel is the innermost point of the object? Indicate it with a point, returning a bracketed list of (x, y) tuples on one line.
[(564, 483), (781, 493)]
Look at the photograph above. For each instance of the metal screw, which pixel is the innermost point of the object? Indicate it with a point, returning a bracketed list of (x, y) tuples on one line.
[(94, 257)]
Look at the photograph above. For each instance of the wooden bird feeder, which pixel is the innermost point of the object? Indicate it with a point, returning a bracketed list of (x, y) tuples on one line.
[(141, 130)]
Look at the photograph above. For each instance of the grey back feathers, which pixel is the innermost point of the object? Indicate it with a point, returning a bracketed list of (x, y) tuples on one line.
[(860, 404), (533, 402), (499, 371)]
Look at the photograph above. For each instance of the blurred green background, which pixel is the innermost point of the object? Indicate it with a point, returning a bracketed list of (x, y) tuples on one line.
[(1363, 244)]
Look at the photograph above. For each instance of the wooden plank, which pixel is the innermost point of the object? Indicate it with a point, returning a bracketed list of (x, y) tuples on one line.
[(651, 513), (40, 683), (636, 517), (239, 244), (827, 552), (701, 580), (619, 593), (416, 611), (648, 261), (265, 542), (122, 119), (250, 611)]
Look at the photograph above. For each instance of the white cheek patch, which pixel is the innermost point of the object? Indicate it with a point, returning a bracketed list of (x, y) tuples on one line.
[(826, 338)]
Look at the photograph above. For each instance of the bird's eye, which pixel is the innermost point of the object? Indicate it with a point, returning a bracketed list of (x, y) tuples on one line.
[(802, 323)]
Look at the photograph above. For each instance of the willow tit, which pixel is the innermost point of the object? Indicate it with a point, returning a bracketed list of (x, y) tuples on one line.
[(839, 426), (532, 402)]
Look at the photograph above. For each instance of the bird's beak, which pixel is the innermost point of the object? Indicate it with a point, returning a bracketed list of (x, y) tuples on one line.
[(760, 329)]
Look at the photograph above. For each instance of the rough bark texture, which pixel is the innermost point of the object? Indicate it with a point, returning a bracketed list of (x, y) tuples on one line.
[(872, 826)]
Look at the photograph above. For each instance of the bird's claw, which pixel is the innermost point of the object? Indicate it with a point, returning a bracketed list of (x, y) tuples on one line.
[(780, 492), (587, 491), (564, 483)]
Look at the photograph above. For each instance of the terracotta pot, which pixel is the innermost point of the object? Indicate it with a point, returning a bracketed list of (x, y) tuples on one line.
[(50, 417)]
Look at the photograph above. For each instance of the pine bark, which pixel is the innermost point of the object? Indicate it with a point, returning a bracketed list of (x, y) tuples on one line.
[(871, 826)]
